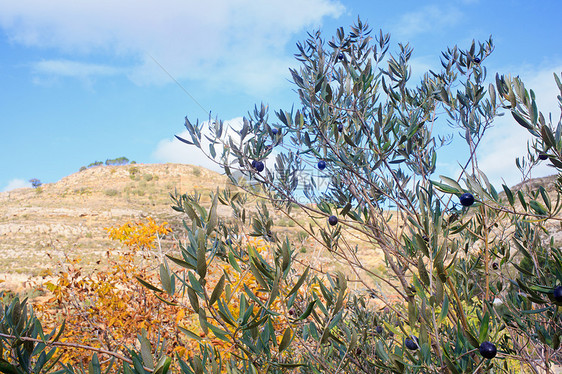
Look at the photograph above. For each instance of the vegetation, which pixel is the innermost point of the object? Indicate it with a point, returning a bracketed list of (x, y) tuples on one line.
[(35, 183), (472, 275), (133, 172), (370, 139), (117, 161), (111, 192), (110, 161), (95, 163)]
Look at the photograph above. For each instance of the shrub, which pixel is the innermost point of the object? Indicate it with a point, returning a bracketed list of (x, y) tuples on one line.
[(35, 183), (286, 222), (105, 309), (83, 191), (26, 348), (148, 177), (133, 171), (111, 192), (108, 307), (196, 171)]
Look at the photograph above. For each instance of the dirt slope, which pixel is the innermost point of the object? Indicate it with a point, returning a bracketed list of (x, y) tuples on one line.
[(40, 226)]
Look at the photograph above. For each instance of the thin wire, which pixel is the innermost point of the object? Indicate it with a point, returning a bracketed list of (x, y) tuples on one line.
[(178, 83)]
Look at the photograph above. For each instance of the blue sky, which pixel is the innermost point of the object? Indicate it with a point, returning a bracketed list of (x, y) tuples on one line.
[(78, 83)]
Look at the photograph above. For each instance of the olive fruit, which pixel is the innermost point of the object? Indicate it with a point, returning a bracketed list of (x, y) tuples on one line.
[(259, 166), (543, 156), (321, 165), (488, 350), (466, 199), (333, 220), (558, 294), (411, 344)]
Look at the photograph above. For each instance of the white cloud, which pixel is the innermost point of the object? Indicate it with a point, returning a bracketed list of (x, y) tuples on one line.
[(508, 140), (16, 183), (47, 72), (68, 68), (429, 18), (200, 40), (173, 150)]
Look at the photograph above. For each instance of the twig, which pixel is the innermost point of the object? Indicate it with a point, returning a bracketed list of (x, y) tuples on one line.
[(74, 345)]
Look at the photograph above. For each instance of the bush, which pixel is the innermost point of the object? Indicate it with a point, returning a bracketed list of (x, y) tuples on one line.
[(26, 348), (35, 183), (108, 307), (83, 191), (111, 192), (196, 171), (133, 172)]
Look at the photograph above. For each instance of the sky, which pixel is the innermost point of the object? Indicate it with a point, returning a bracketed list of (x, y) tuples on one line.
[(84, 81)]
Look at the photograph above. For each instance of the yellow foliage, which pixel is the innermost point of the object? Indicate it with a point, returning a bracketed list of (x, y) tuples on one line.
[(109, 307), (139, 235)]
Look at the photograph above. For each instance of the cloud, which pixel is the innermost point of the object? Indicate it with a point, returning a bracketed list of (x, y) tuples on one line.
[(430, 18), (46, 72), (199, 40), (507, 140), (68, 68), (16, 183), (173, 150)]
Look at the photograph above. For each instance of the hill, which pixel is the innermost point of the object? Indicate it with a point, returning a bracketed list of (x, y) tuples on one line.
[(39, 227)]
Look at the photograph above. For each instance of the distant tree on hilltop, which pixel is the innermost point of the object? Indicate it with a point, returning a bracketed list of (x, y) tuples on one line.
[(110, 161), (35, 183), (95, 163), (117, 161)]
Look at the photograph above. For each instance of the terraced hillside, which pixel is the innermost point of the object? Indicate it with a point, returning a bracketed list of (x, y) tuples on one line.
[(40, 226)]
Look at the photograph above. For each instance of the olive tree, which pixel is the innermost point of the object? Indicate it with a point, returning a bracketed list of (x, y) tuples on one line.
[(473, 273)]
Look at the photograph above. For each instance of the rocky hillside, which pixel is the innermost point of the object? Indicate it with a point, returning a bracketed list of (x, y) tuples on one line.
[(39, 227)]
